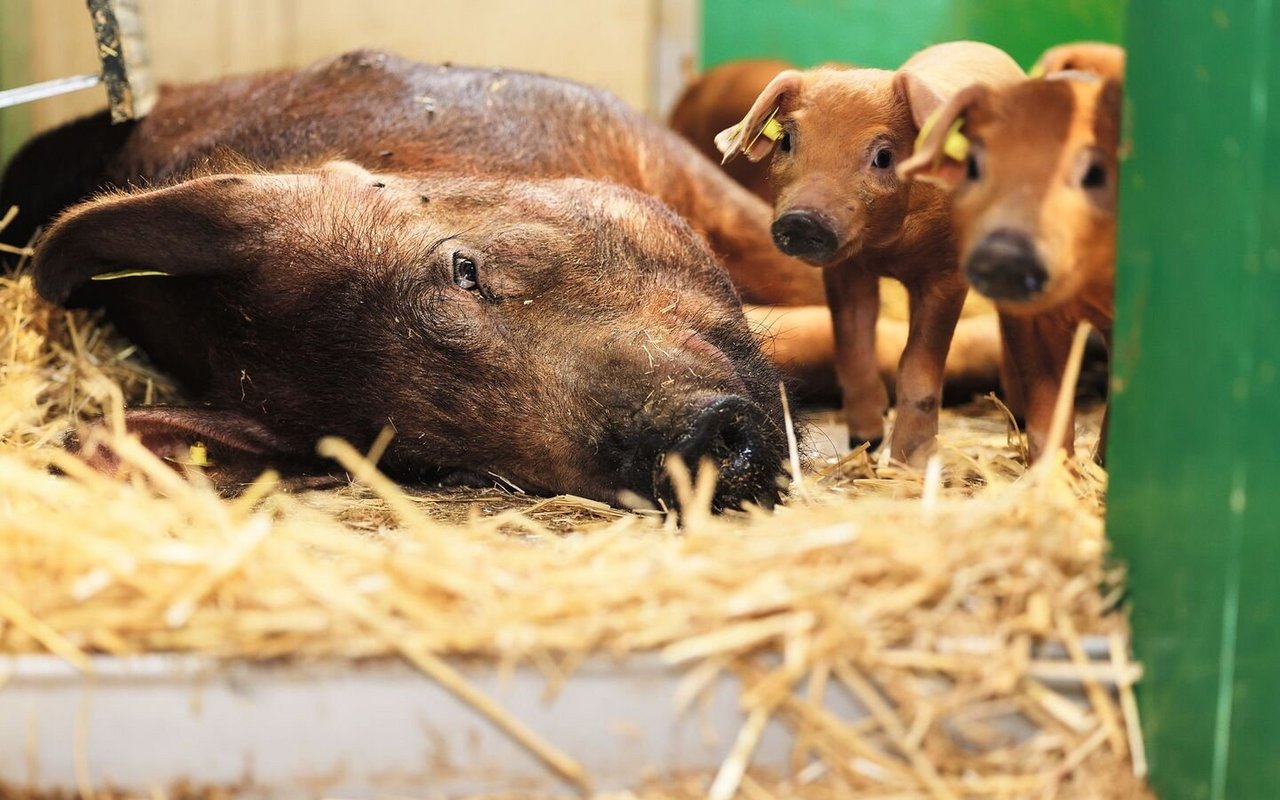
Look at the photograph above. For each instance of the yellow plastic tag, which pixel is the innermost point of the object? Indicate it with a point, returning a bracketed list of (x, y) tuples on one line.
[(198, 455), (956, 145), (927, 127), (772, 129), (127, 273), (1036, 72)]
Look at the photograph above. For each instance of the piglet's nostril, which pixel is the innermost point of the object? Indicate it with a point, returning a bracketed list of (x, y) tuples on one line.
[(1006, 266), (805, 235), (730, 432)]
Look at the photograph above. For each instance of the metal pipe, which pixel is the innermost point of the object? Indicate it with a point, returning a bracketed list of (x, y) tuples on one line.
[(53, 88)]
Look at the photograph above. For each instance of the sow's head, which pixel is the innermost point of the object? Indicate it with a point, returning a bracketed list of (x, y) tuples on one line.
[(559, 335)]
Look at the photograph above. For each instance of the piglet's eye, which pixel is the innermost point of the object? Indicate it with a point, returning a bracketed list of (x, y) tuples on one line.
[(465, 272), (883, 159), (784, 144), (1095, 177)]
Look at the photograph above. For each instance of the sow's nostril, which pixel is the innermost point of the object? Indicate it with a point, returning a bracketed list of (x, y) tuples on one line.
[(731, 433), (805, 235), (1005, 266)]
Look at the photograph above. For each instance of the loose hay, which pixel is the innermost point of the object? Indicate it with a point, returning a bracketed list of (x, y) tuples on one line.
[(936, 599)]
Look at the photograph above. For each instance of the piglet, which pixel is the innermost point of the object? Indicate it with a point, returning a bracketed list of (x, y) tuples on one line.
[(836, 135), (1099, 58), (1033, 167)]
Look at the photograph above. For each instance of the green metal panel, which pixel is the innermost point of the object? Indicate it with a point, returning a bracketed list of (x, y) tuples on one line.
[(1195, 449), (805, 32), (877, 33), (1026, 28)]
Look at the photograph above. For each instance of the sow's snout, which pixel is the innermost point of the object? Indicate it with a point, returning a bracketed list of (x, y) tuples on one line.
[(731, 432)]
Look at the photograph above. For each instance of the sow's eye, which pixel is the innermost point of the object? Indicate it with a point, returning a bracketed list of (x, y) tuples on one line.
[(465, 272), (883, 158), (784, 144)]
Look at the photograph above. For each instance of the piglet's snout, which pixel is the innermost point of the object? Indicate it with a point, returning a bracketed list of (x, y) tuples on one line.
[(1006, 266), (733, 433), (805, 234)]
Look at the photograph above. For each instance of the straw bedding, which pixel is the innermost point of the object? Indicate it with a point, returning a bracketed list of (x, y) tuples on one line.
[(936, 599)]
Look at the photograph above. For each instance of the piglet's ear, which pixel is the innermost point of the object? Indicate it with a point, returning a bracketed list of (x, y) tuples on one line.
[(1098, 58), (1107, 117), (204, 225), (942, 149), (756, 135), (921, 97)]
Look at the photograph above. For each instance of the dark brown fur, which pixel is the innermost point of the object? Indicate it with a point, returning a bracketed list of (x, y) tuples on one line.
[(315, 293)]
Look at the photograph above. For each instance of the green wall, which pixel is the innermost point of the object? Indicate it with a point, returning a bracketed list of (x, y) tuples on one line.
[(1195, 455), (883, 33)]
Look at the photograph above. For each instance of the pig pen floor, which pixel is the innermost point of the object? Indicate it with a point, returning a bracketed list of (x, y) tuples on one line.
[(978, 432), (933, 598)]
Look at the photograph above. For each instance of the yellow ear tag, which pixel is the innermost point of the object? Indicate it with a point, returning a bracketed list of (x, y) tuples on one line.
[(927, 128), (771, 130), (198, 455), (128, 273), (956, 145), (1036, 72)]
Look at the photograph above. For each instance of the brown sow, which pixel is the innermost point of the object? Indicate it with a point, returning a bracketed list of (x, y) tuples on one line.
[(520, 276)]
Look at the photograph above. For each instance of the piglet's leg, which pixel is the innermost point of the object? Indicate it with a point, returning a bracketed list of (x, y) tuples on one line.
[(1100, 453), (854, 297), (1011, 384), (800, 341), (1039, 352), (935, 310)]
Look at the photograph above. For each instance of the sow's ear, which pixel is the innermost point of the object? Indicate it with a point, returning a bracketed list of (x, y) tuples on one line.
[(942, 149), (229, 447), (756, 135), (201, 226)]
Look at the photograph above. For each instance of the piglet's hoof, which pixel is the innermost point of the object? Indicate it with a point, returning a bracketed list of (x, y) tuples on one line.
[(872, 444)]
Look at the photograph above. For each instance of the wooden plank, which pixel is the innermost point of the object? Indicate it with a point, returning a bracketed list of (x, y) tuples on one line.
[(196, 40), (600, 42), (15, 70), (122, 51), (676, 37)]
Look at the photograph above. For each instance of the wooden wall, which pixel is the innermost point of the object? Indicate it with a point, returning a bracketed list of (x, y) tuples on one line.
[(637, 48)]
